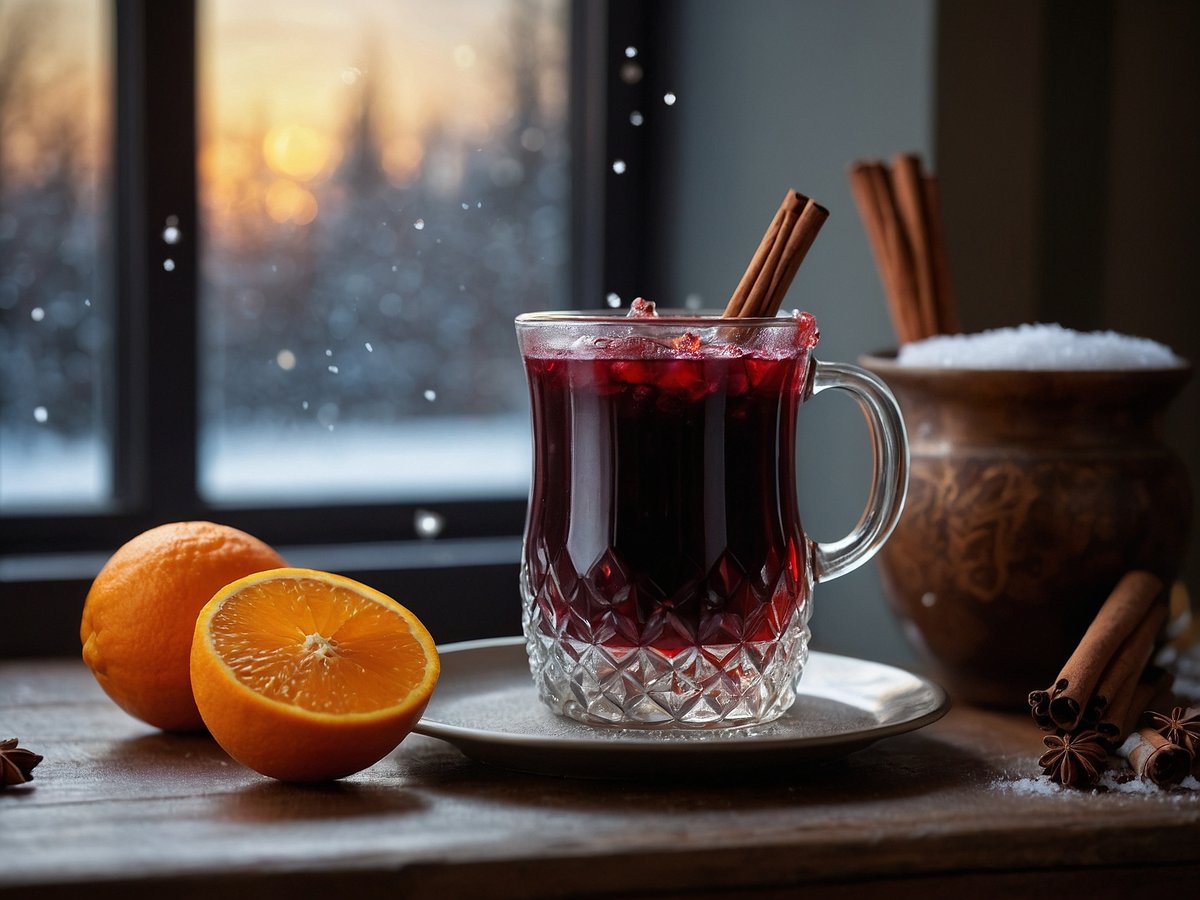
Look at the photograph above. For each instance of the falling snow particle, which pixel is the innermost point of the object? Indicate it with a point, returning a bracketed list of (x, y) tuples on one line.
[(286, 360), (171, 235), (669, 98), (636, 118), (430, 395), (630, 52), (466, 206), (427, 523), (328, 352), (370, 349), (419, 224), (40, 414), (333, 369), (168, 265), (618, 166), (304, 404), (479, 205), (87, 301), (37, 314), (613, 300)]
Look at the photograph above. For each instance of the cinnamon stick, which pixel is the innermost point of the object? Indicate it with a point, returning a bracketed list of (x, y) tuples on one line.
[(1127, 709), (1039, 708), (1118, 618), (1152, 756), (801, 238), (868, 183), (1120, 678), (738, 301), (898, 256), (910, 204), (777, 259)]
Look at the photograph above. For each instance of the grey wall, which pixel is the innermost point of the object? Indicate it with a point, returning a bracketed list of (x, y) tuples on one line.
[(778, 94)]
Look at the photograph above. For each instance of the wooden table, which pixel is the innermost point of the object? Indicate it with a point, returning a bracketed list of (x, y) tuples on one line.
[(129, 811)]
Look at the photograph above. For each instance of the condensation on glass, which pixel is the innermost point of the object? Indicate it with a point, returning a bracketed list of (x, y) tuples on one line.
[(56, 359), (384, 185)]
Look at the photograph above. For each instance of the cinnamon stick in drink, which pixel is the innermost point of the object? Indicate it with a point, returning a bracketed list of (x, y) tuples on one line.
[(778, 257), (809, 221), (738, 301), (1118, 618)]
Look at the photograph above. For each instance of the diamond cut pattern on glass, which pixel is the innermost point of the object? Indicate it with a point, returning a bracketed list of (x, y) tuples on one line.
[(724, 650)]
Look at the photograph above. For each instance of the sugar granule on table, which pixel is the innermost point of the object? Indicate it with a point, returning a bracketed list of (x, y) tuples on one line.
[(1046, 347), (1113, 781)]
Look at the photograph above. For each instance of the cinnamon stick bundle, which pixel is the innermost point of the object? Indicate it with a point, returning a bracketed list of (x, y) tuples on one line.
[(1114, 649), (778, 257), (900, 211)]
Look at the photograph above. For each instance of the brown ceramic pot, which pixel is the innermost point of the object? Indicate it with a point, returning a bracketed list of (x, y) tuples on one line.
[(1030, 494)]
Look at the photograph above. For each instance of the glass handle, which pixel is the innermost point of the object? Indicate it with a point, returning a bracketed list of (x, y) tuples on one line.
[(889, 476)]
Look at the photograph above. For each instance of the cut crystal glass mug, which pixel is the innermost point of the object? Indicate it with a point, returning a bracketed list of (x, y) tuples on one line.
[(665, 575)]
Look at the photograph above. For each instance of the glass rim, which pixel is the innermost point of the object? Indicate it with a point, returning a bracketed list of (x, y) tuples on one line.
[(666, 317)]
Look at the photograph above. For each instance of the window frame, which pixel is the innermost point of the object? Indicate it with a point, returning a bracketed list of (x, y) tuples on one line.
[(48, 557)]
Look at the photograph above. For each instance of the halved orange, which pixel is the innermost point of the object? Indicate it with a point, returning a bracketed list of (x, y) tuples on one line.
[(308, 676)]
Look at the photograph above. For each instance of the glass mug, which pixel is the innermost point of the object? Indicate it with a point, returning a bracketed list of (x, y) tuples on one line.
[(665, 576)]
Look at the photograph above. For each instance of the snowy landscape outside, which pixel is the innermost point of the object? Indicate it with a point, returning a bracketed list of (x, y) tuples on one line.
[(383, 187)]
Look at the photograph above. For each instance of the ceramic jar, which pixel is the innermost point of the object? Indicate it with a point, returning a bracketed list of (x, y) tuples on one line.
[(1031, 493)]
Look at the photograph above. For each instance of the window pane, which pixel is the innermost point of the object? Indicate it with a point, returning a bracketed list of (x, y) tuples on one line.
[(55, 351), (384, 186)]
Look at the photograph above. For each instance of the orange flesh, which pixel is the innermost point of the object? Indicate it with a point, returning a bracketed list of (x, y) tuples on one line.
[(318, 646)]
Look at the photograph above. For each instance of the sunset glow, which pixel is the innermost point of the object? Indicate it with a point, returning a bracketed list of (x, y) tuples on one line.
[(284, 82), (300, 152)]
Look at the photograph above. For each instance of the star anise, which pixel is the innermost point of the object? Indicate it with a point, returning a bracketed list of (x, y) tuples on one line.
[(16, 764), (1181, 727), (1075, 760)]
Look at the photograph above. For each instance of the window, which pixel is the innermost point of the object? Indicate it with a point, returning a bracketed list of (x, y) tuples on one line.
[(383, 186), (56, 362), (303, 254)]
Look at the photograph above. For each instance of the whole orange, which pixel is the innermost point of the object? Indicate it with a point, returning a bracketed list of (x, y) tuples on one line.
[(305, 675), (141, 611)]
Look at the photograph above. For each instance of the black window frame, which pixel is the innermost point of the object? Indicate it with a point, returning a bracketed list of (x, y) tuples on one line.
[(48, 557)]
